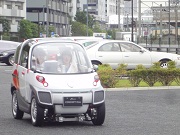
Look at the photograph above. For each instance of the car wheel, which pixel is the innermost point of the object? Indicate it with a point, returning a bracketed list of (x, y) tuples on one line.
[(37, 113), (17, 114), (99, 119), (10, 60), (164, 63), (95, 63)]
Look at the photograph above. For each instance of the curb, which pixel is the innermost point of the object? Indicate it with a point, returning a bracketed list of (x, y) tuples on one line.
[(142, 88)]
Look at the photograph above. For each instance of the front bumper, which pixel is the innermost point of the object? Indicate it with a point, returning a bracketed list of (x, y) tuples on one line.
[(56, 100)]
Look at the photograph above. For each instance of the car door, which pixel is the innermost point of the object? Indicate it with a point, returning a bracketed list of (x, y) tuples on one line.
[(134, 55), (22, 70), (110, 53)]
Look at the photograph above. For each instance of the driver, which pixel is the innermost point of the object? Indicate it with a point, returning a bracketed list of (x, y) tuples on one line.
[(67, 62)]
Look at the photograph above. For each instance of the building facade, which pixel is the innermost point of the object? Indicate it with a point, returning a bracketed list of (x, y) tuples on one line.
[(14, 11), (50, 13)]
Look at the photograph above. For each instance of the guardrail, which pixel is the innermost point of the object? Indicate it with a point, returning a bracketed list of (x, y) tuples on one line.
[(163, 48)]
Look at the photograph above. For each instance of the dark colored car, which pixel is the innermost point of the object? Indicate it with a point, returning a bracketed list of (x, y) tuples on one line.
[(7, 50), (7, 57)]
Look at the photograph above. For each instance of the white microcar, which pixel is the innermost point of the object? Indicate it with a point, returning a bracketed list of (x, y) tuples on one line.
[(54, 80)]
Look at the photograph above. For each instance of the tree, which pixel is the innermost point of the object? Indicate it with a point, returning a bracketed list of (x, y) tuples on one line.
[(6, 26), (34, 30), (79, 29), (51, 29), (25, 29), (97, 28), (112, 33), (81, 16)]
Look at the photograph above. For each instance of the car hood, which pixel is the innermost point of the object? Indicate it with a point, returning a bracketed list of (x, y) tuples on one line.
[(69, 83)]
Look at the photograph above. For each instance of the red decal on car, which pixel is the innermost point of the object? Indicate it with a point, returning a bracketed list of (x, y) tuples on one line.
[(15, 79)]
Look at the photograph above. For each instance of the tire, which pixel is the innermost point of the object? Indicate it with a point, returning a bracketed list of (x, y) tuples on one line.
[(99, 120), (95, 63), (37, 113), (164, 63), (17, 113), (10, 61)]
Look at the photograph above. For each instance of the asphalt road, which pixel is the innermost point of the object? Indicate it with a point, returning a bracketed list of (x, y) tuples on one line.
[(130, 112)]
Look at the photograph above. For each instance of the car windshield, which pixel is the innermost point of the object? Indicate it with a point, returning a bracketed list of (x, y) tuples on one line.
[(60, 58)]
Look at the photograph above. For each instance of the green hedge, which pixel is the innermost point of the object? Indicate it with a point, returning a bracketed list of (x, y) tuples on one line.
[(165, 76)]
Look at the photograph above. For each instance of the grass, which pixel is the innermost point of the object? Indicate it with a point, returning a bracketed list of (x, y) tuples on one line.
[(126, 83)]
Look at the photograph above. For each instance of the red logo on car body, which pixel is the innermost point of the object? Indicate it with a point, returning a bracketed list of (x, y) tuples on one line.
[(16, 79)]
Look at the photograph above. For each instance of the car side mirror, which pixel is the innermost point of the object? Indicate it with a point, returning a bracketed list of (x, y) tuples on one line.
[(95, 67), (142, 51)]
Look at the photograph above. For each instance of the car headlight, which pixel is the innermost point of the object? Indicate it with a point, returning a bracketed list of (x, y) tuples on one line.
[(5, 53)]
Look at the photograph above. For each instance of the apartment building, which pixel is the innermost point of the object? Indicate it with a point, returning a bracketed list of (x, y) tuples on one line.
[(14, 11), (50, 13)]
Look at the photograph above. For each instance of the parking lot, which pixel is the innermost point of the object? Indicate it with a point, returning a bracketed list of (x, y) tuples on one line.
[(130, 112)]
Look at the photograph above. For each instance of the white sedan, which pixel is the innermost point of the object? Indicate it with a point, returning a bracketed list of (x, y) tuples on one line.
[(115, 52)]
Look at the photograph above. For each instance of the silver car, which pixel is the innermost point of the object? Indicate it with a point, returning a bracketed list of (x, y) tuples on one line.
[(53, 80)]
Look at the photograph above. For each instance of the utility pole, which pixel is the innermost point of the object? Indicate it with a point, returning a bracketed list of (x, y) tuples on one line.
[(169, 23), (160, 25), (119, 11), (132, 34), (139, 20), (47, 18), (87, 17), (176, 26)]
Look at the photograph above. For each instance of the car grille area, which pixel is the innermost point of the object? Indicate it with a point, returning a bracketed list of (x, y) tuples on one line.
[(98, 96), (44, 97)]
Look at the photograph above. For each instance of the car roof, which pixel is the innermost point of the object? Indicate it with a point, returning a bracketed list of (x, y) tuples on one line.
[(48, 40), (109, 41), (81, 38)]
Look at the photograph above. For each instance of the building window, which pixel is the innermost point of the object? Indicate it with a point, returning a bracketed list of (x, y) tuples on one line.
[(9, 6)]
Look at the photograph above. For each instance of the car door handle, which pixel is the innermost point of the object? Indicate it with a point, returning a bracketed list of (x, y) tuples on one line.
[(126, 56), (100, 56)]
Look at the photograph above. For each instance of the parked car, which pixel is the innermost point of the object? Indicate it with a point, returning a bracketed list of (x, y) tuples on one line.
[(115, 52), (7, 57), (7, 50), (49, 90)]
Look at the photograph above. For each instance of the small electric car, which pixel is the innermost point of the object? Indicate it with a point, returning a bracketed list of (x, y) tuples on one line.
[(54, 80)]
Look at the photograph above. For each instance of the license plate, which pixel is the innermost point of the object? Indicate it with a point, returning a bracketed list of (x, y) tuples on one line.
[(72, 101)]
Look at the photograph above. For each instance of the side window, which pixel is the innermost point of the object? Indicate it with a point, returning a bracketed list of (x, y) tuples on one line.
[(135, 48), (110, 47), (127, 47), (24, 56), (16, 56), (106, 47), (115, 47)]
